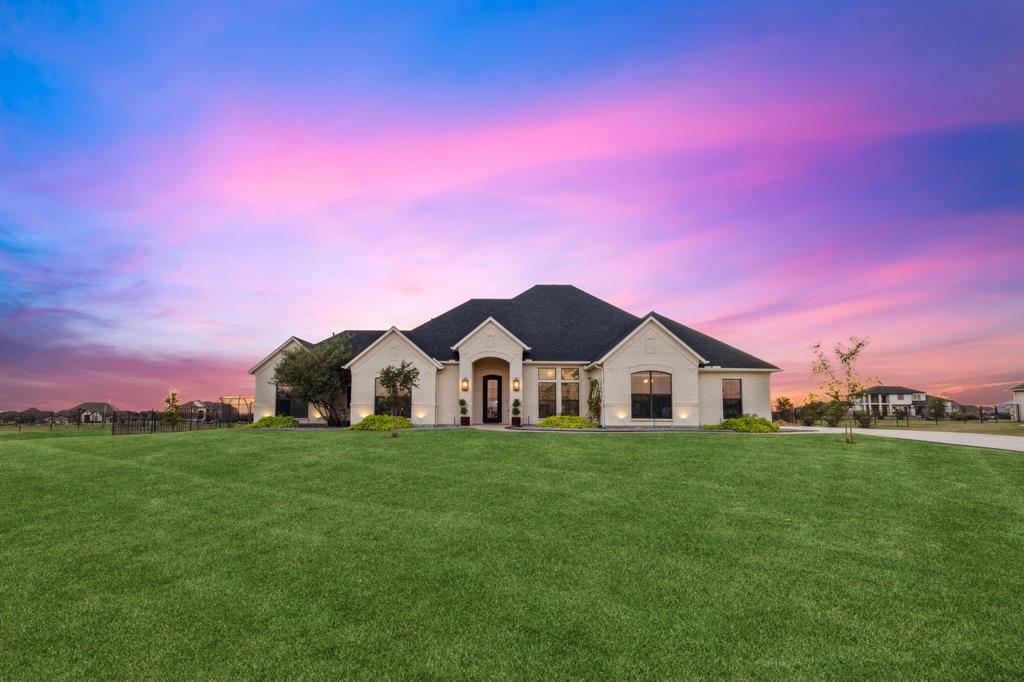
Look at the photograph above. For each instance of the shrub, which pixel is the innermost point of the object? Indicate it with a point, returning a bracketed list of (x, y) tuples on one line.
[(380, 422), (863, 419), (834, 413), (566, 421), (744, 424), (273, 423), (516, 407)]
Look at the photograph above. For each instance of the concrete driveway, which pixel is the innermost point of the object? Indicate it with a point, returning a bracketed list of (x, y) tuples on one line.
[(974, 440)]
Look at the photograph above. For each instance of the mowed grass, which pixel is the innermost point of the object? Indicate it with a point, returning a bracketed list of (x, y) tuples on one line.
[(1003, 427), (466, 554)]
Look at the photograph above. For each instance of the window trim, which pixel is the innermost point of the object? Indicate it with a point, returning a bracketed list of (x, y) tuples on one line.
[(558, 381), (650, 396), (739, 400)]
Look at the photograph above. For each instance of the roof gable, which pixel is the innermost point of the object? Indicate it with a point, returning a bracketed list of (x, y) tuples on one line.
[(647, 321), (394, 331)]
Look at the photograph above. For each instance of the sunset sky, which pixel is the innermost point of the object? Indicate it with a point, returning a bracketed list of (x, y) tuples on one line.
[(185, 185)]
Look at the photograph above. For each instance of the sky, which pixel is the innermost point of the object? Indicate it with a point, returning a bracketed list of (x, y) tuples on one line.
[(185, 185)]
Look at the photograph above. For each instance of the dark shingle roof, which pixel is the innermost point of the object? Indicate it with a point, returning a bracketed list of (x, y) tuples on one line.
[(891, 390), (1018, 387), (92, 407), (559, 323)]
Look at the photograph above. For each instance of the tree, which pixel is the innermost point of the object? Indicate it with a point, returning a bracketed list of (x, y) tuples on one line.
[(594, 401), (318, 376), (935, 408), (784, 406), (812, 410), (172, 412), (398, 383), (840, 381)]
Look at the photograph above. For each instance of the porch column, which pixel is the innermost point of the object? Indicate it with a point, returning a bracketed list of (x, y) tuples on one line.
[(466, 372), (515, 371)]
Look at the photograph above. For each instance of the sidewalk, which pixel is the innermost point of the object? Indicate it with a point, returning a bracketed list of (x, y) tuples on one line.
[(974, 440)]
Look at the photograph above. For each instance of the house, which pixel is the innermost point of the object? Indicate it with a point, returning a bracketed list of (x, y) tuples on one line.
[(886, 401), (90, 413), (546, 348), (1018, 402)]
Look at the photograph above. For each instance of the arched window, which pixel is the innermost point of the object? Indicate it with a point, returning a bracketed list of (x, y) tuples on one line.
[(379, 402), (651, 395)]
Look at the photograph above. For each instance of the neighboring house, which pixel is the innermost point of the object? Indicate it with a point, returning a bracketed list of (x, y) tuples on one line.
[(91, 413), (543, 347), (886, 401), (1018, 402)]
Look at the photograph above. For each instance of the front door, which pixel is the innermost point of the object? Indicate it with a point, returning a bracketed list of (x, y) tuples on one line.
[(492, 399)]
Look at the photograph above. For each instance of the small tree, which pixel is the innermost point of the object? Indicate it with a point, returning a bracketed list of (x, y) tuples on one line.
[(318, 376), (172, 410), (935, 408), (516, 407), (594, 401), (398, 383), (840, 381), (784, 406)]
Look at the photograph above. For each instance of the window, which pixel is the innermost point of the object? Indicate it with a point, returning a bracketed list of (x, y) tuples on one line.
[(546, 393), (651, 395), (571, 398), (732, 398), (286, 406), (558, 391), (379, 401), (902, 396)]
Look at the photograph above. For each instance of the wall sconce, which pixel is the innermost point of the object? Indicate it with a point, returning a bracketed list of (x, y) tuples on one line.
[(515, 385), (465, 384)]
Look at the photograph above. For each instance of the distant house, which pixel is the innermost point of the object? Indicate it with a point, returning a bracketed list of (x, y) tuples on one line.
[(1018, 402), (887, 401), (91, 413)]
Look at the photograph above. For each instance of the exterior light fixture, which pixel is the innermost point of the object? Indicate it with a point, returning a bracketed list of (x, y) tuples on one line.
[(515, 385), (465, 384)]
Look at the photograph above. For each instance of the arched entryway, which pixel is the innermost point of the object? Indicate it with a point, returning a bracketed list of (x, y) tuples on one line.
[(491, 391)]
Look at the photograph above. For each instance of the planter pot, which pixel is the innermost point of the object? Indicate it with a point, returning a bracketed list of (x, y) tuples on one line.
[(464, 421), (517, 421)]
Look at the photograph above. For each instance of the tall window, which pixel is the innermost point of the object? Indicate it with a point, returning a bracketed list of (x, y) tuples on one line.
[(379, 399), (651, 395), (732, 398), (286, 406), (547, 392)]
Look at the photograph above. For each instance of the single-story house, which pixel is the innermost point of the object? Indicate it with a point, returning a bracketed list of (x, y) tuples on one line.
[(92, 412), (546, 348)]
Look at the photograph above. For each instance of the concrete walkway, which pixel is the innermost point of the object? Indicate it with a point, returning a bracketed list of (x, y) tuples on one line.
[(974, 440)]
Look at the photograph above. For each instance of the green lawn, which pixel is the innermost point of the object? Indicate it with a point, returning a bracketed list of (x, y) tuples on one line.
[(1003, 427), (466, 554)]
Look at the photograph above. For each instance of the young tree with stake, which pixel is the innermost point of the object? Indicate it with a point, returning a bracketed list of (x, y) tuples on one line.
[(840, 381)]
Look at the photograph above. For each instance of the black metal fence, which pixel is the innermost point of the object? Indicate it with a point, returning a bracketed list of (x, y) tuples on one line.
[(52, 425), (218, 416)]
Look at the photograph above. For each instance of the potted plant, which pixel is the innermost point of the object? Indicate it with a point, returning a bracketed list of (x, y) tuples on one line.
[(464, 411), (516, 419)]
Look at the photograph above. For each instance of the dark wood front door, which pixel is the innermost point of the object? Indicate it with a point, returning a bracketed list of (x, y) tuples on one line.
[(492, 399)]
